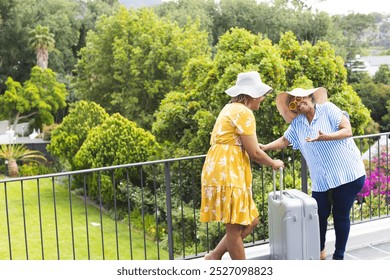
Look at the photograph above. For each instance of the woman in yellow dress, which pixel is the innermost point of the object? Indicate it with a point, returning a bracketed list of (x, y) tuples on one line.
[(226, 174)]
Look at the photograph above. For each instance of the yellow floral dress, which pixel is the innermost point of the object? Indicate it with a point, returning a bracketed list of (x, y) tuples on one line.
[(226, 174)]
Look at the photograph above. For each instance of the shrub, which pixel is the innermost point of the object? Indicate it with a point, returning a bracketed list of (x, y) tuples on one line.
[(32, 169), (19, 153), (377, 180), (373, 200)]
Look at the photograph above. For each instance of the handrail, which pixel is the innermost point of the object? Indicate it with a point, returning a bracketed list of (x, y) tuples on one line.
[(170, 186)]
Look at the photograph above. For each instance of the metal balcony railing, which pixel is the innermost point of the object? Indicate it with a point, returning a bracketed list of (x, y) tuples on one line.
[(150, 210)]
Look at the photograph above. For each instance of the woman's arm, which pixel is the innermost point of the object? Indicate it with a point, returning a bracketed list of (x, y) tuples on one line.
[(255, 153), (345, 131), (278, 144)]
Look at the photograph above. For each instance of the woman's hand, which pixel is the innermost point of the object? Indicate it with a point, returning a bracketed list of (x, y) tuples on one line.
[(344, 131), (263, 147), (277, 164), (278, 144), (320, 137)]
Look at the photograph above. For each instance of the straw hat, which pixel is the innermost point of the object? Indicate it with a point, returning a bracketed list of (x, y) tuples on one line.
[(283, 99), (249, 83)]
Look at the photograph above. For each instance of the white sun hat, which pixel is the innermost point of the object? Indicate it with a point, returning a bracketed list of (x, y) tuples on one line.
[(249, 83)]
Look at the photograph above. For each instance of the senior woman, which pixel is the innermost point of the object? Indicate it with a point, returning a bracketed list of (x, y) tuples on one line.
[(226, 175), (322, 132)]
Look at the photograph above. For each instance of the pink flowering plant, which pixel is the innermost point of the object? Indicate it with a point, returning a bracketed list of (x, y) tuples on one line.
[(374, 198), (377, 180)]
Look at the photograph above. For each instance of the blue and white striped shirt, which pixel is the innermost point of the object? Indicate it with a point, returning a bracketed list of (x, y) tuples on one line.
[(331, 163)]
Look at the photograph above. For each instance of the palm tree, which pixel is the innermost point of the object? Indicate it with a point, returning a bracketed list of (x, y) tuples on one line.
[(42, 41), (15, 153)]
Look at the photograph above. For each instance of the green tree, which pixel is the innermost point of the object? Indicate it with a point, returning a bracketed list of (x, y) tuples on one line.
[(133, 59), (14, 62), (348, 100), (241, 13), (68, 20), (374, 97), (386, 118), (183, 11), (42, 41), (298, 17), (353, 27), (15, 153), (69, 136), (205, 82), (182, 115), (382, 76), (217, 17), (321, 67), (116, 141), (283, 66), (179, 109), (37, 100)]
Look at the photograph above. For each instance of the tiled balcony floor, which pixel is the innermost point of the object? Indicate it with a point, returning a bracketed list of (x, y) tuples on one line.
[(367, 241), (379, 251)]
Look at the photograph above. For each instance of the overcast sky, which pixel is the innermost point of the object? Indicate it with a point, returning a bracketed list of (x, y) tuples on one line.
[(330, 6), (334, 7), (356, 6)]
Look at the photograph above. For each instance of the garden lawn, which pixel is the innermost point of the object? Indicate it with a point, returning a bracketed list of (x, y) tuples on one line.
[(50, 236)]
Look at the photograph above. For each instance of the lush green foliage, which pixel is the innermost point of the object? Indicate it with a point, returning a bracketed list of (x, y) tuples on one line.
[(183, 11), (33, 169), (133, 59), (382, 76), (14, 153), (349, 101), (283, 66), (69, 136), (116, 141), (217, 17), (20, 153), (386, 118), (353, 27), (68, 20), (41, 96), (374, 96), (38, 100)]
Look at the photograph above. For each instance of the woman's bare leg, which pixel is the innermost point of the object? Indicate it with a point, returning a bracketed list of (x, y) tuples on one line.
[(234, 243), (221, 248)]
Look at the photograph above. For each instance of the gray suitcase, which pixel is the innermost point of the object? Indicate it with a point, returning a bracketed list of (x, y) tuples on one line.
[(293, 225)]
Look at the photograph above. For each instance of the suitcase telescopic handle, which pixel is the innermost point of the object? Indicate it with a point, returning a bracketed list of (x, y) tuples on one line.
[(280, 183)]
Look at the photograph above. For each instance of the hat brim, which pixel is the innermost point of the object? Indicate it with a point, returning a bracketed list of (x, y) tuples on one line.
[(253, 91), (320, 96)]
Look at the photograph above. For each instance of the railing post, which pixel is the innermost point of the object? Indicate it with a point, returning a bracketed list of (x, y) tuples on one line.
[(169, 209), (303, 174)]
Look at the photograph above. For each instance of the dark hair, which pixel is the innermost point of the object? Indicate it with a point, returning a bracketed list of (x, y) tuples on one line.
[(241, 98)]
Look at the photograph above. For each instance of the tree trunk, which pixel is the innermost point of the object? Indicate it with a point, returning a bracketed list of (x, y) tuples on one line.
[(13, 169), (42, 58)]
